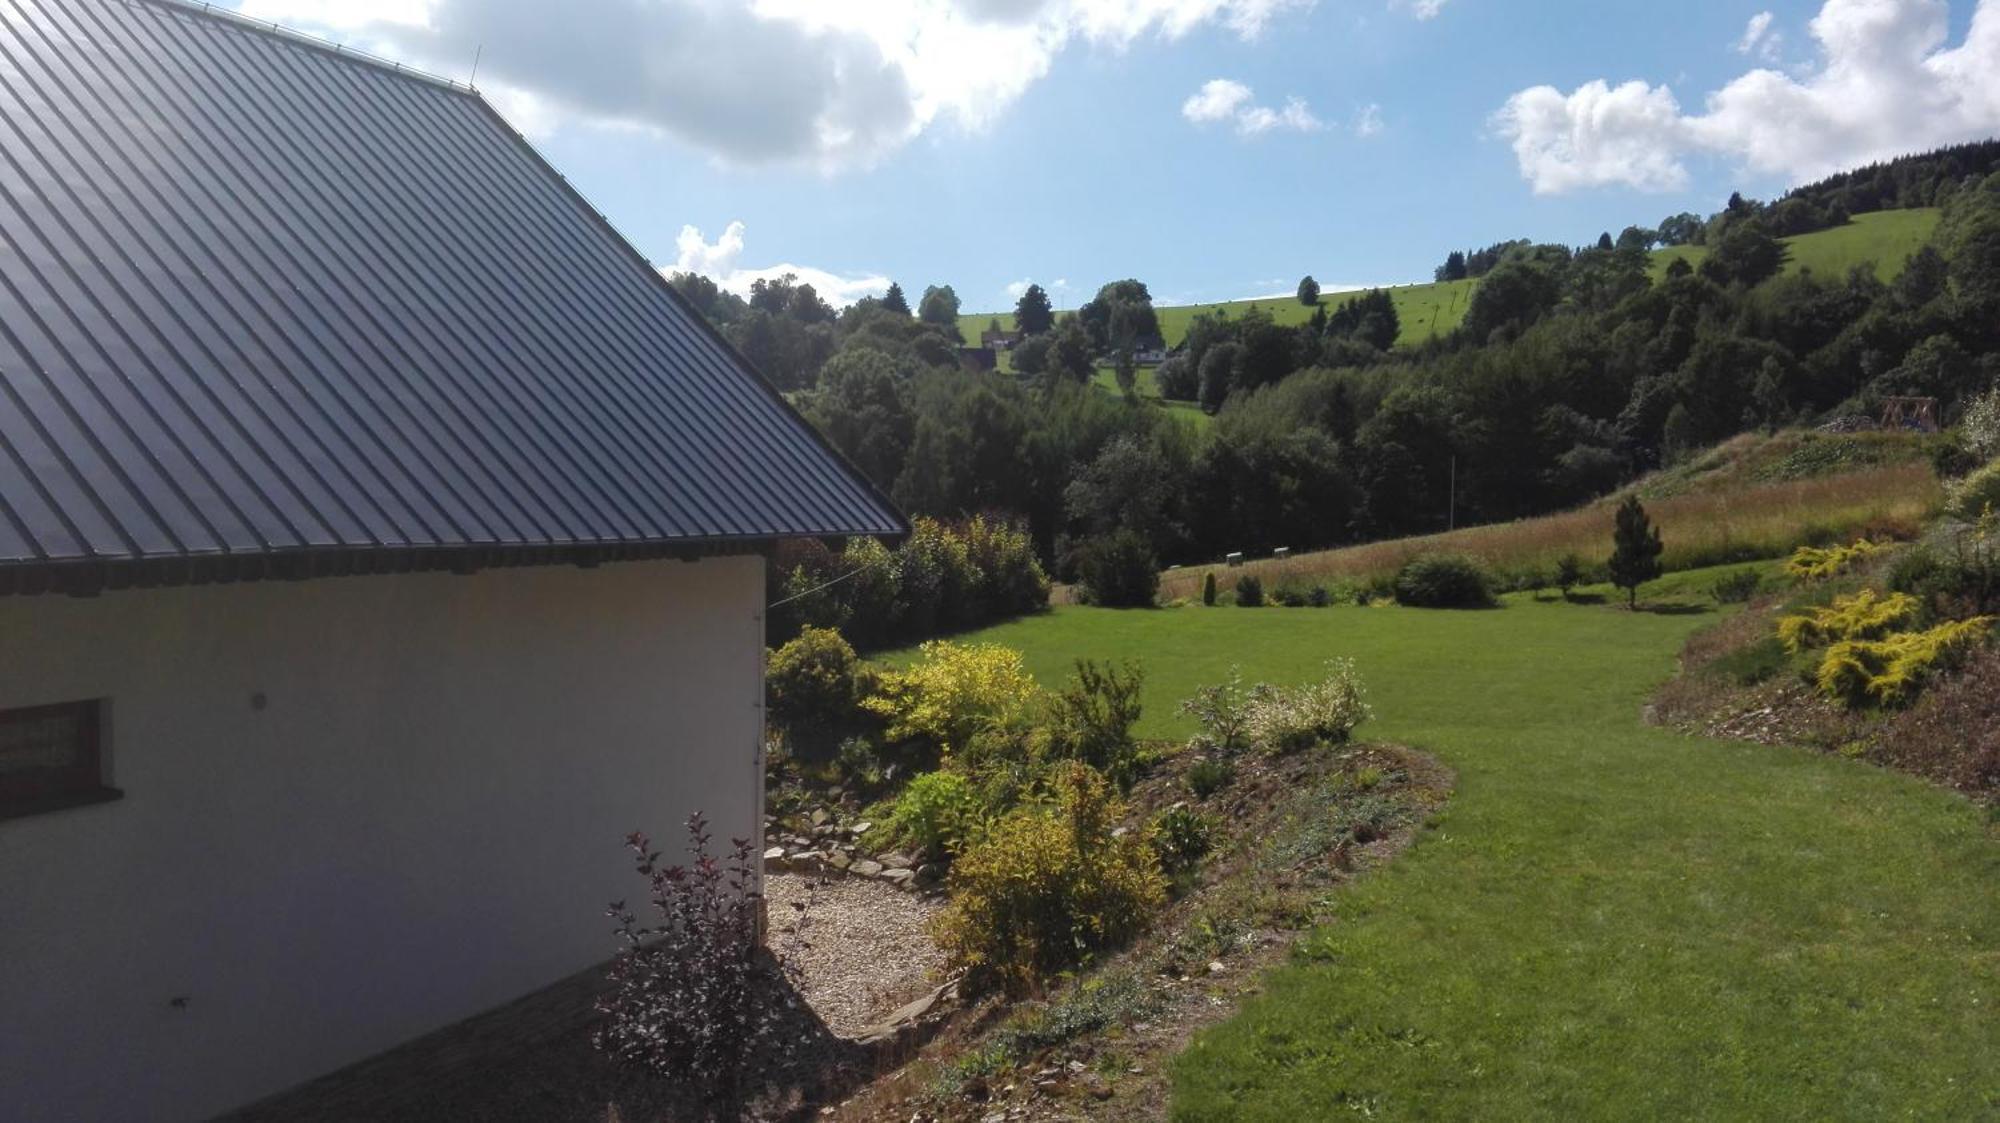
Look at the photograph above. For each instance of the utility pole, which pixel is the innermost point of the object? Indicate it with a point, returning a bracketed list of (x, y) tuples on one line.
[(1451, 515)]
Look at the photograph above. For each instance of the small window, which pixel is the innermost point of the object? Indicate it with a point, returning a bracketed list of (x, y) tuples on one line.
[(52, 757)]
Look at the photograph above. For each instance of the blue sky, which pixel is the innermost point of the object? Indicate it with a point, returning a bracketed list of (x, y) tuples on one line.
[(985, 143)]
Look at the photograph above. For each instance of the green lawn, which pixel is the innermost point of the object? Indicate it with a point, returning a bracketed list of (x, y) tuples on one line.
[(1884, 238), (1610, 921)]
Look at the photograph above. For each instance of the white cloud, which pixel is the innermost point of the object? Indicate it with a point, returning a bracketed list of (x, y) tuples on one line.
[(1057, 289), (828, 84), (1760, 39), (721, 262), (1887, 84), (1422, 9), (1221, 99), (1368, 121)]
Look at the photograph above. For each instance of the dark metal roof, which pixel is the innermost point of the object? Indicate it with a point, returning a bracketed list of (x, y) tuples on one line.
[(266, 303)]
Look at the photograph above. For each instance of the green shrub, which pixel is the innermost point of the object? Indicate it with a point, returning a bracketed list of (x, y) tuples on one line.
[(1119, 570), (1738, 587), (1208, 589), (1957, 575), (1091, 719), (1569, 574), (1321, 713), (1319, 597), (1249, 591), (937, 813), (813, 687), (860, 764), (1759, 662), (1049, 887), (1976, 494), (1208, 775), (1223, 711), (1181, 838), (1951, 460), (1444, 581), (1292, 596)]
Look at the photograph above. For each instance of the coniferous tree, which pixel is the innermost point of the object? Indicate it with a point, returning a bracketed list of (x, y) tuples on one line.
[(895, 301), (1033, 313), (1308, 291), (1636, 548)]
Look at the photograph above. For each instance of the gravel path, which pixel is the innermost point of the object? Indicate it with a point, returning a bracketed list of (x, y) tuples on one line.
[(867, 947)]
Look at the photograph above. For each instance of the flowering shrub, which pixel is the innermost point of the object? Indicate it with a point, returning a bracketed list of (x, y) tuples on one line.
[(952, 692), (1321, 713), (686, 999), (937, 813), (1982, 425), (1049, 886), (1864, 616), (1814, 563), (1891, 671)]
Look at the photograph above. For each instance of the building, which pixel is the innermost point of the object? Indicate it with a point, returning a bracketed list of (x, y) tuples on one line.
[(1149, 351), (381, 539), (999, 340)]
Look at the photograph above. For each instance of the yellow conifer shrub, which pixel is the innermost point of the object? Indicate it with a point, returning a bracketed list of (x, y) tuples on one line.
[(1863, 616), (1813, 563), (1892, 670)]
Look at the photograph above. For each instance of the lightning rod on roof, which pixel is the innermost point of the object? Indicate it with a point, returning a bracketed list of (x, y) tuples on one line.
[(476, 56)]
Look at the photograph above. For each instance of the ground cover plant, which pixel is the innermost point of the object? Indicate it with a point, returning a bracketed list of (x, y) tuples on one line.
[(1612, 920)]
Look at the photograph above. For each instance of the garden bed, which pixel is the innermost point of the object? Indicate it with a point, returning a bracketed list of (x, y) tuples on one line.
[(1293, 829)]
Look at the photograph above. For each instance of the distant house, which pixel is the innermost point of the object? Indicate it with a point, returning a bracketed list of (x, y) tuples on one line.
[(999, 340), (978, 359), (381, 539), (1149, 351)]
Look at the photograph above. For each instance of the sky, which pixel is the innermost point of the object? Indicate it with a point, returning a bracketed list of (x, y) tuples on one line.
[(1215, 149)]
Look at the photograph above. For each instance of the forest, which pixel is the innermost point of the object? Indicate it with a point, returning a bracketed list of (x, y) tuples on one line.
[(1574, 371)]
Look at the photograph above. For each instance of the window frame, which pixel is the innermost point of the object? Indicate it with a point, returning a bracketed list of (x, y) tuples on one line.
[(87, 782)]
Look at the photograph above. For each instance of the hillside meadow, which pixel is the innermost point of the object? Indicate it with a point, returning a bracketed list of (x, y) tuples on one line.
[(1754, 497), (1883, 238)]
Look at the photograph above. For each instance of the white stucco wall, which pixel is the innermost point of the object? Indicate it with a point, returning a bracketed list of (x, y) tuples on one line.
[(423, 821)]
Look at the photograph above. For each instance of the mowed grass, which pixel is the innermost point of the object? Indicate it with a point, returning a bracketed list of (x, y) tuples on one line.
[(1699, 527), (1885, 239), (1609, 921)]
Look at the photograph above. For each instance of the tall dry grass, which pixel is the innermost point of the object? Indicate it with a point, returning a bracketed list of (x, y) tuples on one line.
[(1708, 528)]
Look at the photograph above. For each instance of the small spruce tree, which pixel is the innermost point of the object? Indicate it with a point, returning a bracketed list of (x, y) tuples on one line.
[(1569, 574), (895, 301), (1208, 590), (1636, 548)]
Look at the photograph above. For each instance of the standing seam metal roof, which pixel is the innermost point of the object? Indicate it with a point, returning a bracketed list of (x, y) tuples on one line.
[(260, 299)]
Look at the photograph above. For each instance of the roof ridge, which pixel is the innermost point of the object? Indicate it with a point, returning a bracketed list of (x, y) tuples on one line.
[(295, 37)]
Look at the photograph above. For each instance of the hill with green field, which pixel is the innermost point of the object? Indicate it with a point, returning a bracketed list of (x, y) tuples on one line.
[(1883, 238)]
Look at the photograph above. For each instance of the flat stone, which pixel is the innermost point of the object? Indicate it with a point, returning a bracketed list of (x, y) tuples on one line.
[(820, 816), (863, 827), (898, 861), (899, 878), (866, 868), (839, 861), (775, 854)]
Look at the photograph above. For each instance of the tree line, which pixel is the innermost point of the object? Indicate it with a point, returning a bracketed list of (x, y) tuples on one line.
[(1573, 372)]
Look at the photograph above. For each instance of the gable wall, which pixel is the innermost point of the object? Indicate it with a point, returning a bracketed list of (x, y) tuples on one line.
[(424, 819)]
